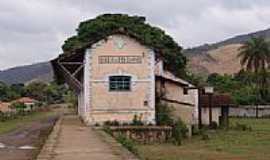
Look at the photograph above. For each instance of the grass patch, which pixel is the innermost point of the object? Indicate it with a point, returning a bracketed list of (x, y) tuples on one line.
[(222, 145), (10, 125), (127, 143)]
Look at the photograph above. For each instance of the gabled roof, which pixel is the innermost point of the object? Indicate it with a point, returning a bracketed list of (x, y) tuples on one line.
[(161, 73), (81, 50), (77, 55), (170, 77), (61, 72), (93, 30), (25, 100)]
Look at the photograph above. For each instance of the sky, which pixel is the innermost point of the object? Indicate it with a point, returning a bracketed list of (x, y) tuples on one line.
[(33, 31)]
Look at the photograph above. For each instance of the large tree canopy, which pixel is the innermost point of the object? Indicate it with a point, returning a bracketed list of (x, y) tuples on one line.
[(92, 30)]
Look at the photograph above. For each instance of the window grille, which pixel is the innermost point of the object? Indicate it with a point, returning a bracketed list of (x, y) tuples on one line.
[(120, 83)]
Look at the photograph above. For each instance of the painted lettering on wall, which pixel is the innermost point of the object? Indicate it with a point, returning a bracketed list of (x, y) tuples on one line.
[(120, 59)]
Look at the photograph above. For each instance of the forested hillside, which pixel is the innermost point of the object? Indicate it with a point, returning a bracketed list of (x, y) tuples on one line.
[(23, 74)]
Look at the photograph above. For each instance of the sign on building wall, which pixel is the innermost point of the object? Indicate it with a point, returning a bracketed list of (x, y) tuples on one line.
[(120, 59)]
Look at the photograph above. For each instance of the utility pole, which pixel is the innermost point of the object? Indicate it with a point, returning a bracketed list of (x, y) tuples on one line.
[(199, 108), (210, 108), (209, 91)]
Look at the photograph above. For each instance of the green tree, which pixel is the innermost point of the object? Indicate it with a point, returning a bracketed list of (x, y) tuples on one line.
[(36, 90), (196, 79), (70, 97), (3, 90), (223, 83), (55, 93), (245, 77), (246, 95), (18, 88), (20, 107), (7, 93), (255, 57), (92, 30)]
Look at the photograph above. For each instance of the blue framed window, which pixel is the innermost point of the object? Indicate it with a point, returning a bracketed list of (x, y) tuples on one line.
[(119, 83)]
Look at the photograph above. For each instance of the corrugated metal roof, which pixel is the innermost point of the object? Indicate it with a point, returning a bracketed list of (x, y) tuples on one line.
[(218, 100)]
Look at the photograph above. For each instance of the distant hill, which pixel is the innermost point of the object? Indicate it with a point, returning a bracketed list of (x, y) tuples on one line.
[(25, 74), (219, 57)]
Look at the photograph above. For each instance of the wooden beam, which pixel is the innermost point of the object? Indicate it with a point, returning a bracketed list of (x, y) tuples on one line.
[(71, 63), (75, 80), (77, 70), (177, 102)]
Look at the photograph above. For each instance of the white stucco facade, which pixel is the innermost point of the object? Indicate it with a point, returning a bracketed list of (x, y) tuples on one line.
[(97, 103), (122, 56)]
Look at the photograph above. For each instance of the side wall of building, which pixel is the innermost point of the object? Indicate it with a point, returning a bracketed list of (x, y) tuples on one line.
[(183, 104)]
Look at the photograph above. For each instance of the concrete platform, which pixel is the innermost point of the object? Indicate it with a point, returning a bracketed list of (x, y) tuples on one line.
[(72, 140)]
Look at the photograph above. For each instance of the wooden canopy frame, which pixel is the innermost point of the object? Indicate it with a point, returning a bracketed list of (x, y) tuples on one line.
[(72, 68)]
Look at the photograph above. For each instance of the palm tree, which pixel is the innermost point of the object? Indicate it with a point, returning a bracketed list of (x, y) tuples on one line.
[(255, 57)]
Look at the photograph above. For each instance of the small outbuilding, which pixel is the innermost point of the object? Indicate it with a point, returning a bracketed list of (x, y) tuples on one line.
[(30, 103), (220, 104)]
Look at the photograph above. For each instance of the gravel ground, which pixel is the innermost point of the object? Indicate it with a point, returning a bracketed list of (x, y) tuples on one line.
[(24, 142)]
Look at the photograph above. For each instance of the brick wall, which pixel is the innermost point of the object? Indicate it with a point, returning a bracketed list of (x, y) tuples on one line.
[(144, 134)]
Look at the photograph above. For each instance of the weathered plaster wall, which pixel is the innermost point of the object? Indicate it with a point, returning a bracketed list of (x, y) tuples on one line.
[(110, 105), (250, 111), (216, 113), (176, 92), (183, 104)]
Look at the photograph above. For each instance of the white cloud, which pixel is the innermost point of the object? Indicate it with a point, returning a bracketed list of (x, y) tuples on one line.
[(33, 31)]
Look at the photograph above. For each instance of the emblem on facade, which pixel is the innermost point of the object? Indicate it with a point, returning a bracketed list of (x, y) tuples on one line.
[(119, 42)]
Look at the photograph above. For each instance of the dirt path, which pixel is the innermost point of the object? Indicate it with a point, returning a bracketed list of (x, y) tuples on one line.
[(76, 141), (29, 137)]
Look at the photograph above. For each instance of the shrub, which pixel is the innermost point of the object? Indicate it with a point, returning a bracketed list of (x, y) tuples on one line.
[(205, 137), (112, 123), (242, 127), (115, 123), (125, 124), (107, 123), (127, 143), (97, 124), (213, 125), (195, 130), (204, 134), (163, 115), (137, 121), (107, 129), (3, 116), (20, 107), (179, 132)]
